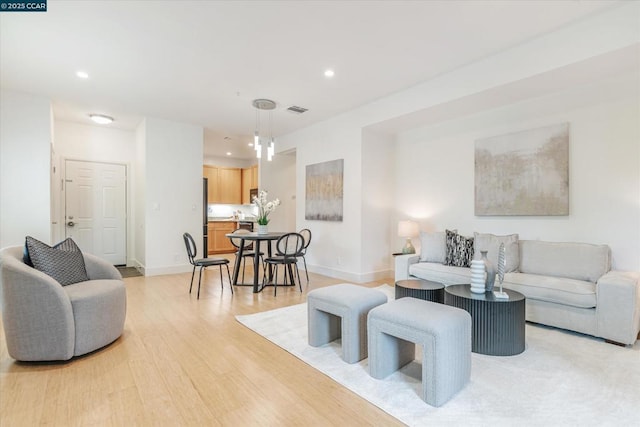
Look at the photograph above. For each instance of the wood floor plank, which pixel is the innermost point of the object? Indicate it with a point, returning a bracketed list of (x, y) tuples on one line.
[(181, 362)]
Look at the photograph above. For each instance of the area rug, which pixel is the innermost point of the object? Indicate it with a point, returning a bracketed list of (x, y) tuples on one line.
[(561, 378)]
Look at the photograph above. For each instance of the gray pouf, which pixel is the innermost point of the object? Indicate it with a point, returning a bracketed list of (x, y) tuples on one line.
[(341, 311), (443, 332)]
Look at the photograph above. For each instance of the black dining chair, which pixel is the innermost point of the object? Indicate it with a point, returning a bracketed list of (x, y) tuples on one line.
[(306, 235), (247, 251), (192, 252), (288, 247)]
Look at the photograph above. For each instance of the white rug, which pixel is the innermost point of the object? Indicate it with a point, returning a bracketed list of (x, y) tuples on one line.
[(561, 378)]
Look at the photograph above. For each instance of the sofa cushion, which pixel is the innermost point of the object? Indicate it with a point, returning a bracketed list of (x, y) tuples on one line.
[(491, 244), (576, 293), (459, 249), (447, 275), (433, 246), (579, 261), (64, 261)]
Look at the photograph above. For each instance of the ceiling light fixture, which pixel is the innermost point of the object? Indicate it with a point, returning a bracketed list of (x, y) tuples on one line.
[(82, 74), (101, 119), (267, 105), (329, 73)]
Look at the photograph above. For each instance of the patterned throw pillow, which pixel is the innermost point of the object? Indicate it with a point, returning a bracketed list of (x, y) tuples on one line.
[(64, 262), (459, 250)]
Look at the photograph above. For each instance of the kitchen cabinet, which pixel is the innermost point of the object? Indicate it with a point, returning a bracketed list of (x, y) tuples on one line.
[(249, 181), (229, 185), (211, 173), (224, 184), (219, 243)]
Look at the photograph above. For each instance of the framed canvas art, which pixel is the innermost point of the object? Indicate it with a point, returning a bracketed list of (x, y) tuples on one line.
[(523, 173), (324, 191)]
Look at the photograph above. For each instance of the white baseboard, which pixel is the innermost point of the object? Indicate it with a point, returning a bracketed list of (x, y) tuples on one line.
[(330, 272), (159, 271), (173, 269), (352, 277)]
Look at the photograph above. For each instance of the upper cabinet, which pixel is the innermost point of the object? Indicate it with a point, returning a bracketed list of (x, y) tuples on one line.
[(230, 185), (211, 173), (224, 184), (249, 181)]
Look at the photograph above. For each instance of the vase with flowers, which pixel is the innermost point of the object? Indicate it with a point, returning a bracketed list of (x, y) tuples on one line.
[(264, 209)]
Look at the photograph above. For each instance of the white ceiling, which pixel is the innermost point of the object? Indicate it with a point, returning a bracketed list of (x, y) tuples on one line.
[(203, 62)]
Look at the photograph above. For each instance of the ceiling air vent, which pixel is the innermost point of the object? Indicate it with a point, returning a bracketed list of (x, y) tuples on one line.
[(296, 109)]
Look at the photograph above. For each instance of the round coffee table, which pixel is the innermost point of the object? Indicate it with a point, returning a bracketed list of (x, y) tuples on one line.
[(497, 324), (421, 289)]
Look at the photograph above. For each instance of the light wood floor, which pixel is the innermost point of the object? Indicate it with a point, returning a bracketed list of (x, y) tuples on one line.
[(183, 361)]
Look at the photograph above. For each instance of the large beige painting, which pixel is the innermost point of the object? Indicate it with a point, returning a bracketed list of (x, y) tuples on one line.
[(324, 186), (523, 173)]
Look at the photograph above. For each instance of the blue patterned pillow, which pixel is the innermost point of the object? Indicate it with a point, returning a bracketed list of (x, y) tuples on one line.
[(64, 262), (459, 250)]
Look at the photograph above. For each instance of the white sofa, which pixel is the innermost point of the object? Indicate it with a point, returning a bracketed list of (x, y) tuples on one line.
[(567, 285)]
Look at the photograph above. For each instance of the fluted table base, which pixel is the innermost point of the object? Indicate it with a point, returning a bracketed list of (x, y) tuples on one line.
[(497, 324), (421, 289)]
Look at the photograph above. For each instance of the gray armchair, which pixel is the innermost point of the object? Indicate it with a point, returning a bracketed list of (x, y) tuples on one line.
[(45, 321)]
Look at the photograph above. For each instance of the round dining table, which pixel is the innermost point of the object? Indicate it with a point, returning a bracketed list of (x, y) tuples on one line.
[(258, 239)]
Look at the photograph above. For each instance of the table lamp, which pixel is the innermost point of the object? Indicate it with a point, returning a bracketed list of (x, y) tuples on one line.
[(408, 229)]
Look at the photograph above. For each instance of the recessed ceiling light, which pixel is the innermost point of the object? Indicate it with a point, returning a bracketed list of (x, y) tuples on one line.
[(250, 144), (329, 73), (228, 153), (101, 119), (82, 74)]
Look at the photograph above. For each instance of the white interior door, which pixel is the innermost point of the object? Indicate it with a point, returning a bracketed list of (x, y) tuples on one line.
[(95, 208)]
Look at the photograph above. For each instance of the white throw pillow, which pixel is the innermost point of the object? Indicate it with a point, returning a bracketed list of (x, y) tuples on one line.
[(433, 246), (491, 244)]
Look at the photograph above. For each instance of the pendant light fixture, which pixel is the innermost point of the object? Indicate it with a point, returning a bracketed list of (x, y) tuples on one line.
[(266, 105)]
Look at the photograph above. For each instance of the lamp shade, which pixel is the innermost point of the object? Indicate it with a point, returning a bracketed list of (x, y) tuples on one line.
[(408, 229)]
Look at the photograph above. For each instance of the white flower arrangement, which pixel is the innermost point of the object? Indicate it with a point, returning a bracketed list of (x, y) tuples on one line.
[(264, 207)]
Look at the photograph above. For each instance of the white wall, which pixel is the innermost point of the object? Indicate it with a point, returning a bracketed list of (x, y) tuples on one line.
[(563, 59), (99, 144), (280, 182), (25, 160), (378, 185), (94, 143), (139, 205), (173, 193), (435, 169), (336, 246), (229, 162)]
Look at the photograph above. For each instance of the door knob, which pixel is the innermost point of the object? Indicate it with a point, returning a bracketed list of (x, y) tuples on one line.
[(71, 223)]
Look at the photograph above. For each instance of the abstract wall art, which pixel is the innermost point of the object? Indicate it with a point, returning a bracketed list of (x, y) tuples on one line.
[(324, 191), (523, 173)]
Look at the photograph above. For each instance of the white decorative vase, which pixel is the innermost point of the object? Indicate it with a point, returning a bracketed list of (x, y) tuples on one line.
[(263, 229), (477, 276)]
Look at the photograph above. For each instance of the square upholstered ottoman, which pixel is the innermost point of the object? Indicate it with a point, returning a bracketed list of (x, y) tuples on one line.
[(443, 332), (340, 311)]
